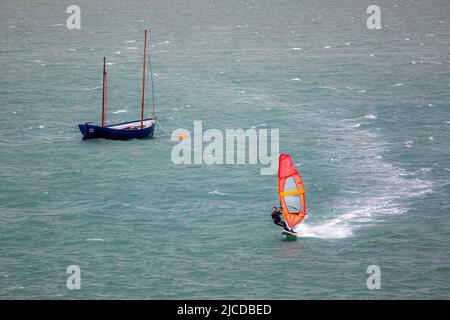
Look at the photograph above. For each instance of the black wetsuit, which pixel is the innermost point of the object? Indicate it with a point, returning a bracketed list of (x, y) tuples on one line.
[(276, 217)]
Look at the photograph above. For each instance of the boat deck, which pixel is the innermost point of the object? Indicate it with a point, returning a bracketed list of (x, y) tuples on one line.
[(134, 125)]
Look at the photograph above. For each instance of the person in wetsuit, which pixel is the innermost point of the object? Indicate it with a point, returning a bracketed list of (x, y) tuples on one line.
[(276, 217)]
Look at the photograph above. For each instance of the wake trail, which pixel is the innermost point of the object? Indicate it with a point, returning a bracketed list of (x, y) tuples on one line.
[(372, 188)]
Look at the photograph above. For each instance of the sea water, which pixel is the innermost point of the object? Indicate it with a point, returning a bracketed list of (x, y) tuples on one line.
[(363, 113)]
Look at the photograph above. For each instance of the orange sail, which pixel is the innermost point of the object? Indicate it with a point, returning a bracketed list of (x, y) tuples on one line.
[(290, 192)]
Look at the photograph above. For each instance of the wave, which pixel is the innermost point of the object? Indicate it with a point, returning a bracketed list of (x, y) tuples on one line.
[(330, 230), (92, 88), (217, 192), (356, 90), (120, 111), (259, 125), (328, 87), (388, 189), (372, 210)]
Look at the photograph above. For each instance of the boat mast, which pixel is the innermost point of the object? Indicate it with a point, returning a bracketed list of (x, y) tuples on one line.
[(143, 79), (104, 93), (150, 71)]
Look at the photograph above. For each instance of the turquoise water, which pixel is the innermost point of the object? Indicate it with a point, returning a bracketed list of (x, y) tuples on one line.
[(363, 113)]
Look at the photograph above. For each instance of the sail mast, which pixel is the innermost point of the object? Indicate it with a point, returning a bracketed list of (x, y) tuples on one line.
[(104, 93), (143, 79)]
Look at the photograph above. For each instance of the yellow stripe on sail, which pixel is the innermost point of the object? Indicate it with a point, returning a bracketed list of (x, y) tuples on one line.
[(289, 193)]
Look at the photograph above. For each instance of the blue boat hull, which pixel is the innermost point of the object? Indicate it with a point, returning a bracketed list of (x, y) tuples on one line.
[(121, 131)]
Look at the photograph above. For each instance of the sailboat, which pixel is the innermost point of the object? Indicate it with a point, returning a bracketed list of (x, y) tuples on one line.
[(138, 129), (291, 194)]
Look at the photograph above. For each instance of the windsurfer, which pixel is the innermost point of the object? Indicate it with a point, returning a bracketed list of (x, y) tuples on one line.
[(276, 217)]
